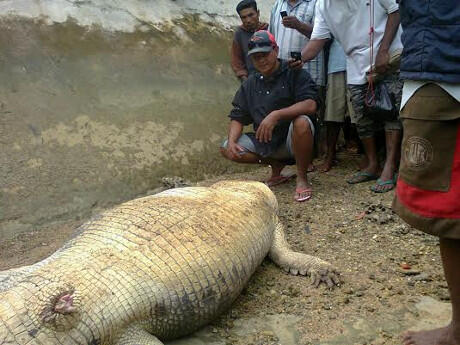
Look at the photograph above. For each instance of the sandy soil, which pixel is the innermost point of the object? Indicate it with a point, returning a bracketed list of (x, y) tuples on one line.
[(347, 225)]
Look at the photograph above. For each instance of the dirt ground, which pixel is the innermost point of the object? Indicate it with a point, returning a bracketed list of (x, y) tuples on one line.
[(386, 266)]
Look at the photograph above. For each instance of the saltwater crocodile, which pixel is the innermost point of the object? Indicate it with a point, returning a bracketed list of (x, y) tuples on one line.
[(157, 267)]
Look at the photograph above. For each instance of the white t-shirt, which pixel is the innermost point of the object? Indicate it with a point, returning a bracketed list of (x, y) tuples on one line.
[(411, 86), (349, 22)]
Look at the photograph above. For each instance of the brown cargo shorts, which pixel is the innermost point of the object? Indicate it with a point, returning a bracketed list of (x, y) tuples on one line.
[(428, 189)]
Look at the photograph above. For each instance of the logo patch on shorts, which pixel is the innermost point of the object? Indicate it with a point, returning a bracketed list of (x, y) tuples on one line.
[(418, 153)]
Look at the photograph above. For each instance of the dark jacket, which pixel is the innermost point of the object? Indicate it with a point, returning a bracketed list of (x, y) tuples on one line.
[(241, 63), (258, 96), (431, 39)]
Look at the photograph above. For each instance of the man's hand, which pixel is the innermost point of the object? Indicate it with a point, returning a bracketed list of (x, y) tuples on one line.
[(291, 22), (295, 64), (234, 150), (382, 61), (265, 130)]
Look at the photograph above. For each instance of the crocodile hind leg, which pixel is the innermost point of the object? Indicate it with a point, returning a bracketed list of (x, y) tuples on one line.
[(300, 263), (135, 335)]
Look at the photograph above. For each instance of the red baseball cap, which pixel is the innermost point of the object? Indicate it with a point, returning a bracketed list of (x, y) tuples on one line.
[(261, 41)]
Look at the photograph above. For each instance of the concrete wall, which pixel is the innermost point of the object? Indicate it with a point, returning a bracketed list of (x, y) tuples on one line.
[(95, 107)]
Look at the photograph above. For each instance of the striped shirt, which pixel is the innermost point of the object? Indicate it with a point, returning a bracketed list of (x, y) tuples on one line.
[(292, 40)]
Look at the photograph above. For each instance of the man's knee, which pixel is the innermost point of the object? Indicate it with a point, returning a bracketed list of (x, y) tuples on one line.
[(301, 125)]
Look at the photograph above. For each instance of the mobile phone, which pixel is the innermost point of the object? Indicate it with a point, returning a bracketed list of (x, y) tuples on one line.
[(296, 55), (283, 14)]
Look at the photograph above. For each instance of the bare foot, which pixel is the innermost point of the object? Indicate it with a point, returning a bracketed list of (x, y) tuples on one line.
[(439, 336), (352, 147), (327, 165), (276, 170)]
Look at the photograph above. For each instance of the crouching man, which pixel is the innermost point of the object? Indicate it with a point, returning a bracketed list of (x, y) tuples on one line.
[(280, 102)]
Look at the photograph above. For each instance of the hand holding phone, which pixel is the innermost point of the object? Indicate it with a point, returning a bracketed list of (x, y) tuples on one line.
[(283, 14), (296, 55)]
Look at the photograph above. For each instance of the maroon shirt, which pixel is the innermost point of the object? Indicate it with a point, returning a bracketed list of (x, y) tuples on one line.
[(241, 63)]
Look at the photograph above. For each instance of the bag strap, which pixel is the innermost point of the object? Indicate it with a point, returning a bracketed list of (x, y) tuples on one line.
[(370, 93)]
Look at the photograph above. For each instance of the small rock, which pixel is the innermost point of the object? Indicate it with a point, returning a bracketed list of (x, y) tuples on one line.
[(349, 291), (422, 277), (405, 266), (410, 272), (267, 333)]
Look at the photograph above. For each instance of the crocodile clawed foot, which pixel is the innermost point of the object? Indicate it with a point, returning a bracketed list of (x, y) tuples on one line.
[(327, 275), (295, 263)]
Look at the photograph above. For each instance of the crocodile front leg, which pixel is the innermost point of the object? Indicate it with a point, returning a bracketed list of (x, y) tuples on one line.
[(135, 335), (300, 263)]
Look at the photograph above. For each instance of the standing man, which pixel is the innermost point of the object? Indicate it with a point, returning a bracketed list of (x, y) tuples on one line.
[(278, 101), (249, 15), (291, 22), (338, 106), (428, 192), (350, 22)]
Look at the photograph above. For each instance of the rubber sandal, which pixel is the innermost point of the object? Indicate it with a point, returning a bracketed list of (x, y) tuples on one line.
[(362, 176), (274, 181), (298, 194), (380, 183)]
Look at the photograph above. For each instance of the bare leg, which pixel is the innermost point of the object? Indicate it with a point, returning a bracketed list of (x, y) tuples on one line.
[(371, 154), (351, 137), (302, 146), (371, 169), (363, 162), (252, 158), (393, 147), (333, 130), (450, 335)]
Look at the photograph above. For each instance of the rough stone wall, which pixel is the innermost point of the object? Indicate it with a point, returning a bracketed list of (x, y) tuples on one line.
[(95, 106), (128, 15)]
